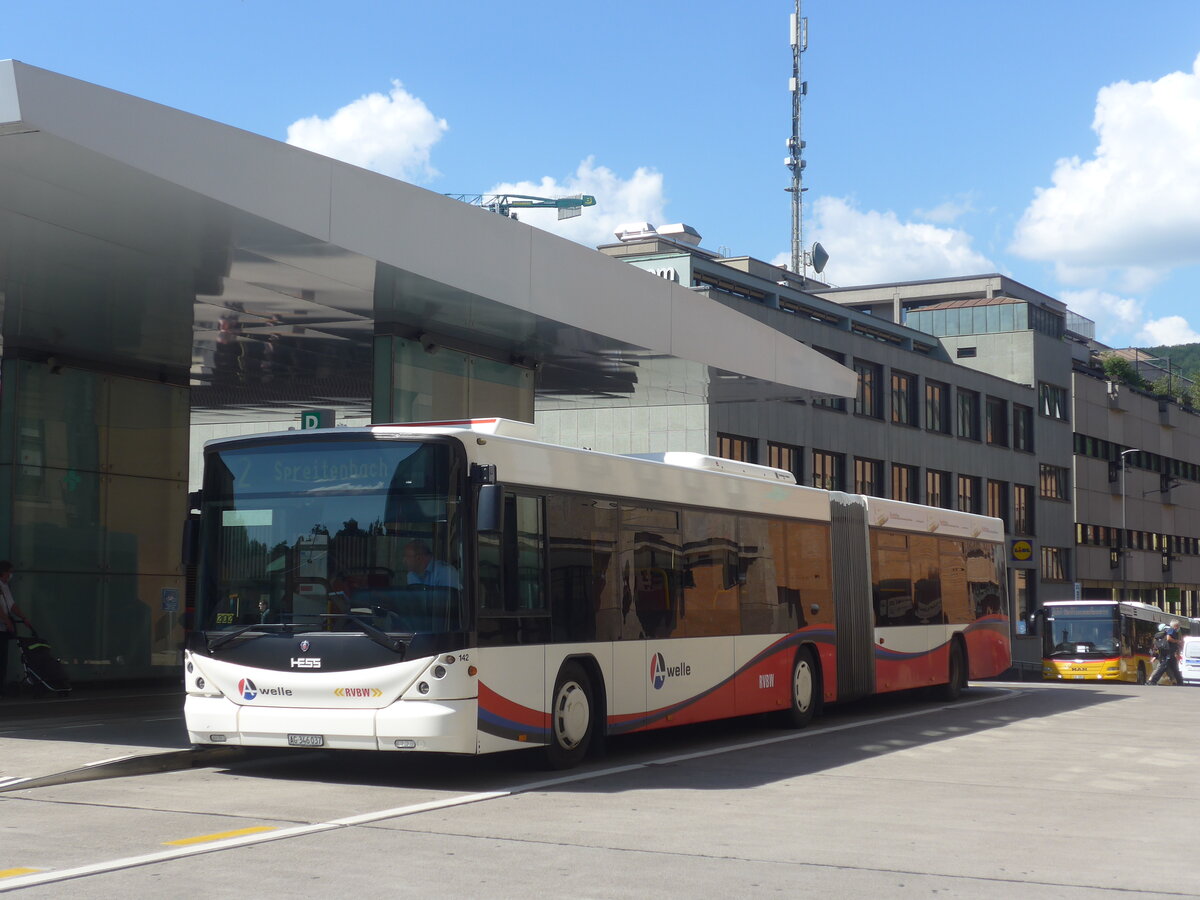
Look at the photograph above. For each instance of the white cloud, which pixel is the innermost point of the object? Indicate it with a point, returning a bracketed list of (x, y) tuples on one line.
[(390, 133), (1135, 205), (1117, 318), (1167, 331), (618, 201), (872, 247), (948, 212)]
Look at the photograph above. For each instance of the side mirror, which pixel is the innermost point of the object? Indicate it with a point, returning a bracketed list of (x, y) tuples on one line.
[(191, 541), (489, 509)]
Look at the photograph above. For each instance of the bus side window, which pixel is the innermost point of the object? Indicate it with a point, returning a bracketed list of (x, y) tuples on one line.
[(512, 562)]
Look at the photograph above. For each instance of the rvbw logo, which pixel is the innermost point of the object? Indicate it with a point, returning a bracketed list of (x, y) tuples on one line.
[(660, 671)]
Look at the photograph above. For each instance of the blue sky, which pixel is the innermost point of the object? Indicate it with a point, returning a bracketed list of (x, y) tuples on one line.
[(1056, 141)]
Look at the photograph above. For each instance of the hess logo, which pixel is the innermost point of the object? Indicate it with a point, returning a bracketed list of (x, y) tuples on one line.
[(306, 662), (660, 671)]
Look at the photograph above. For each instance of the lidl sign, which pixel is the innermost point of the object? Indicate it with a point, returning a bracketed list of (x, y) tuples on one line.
[(1022, 550)]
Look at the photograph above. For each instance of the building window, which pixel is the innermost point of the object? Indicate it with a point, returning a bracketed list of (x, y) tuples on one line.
[(1052, 402), (788, 458), (937, 488), (968, 414), (996, 419), (1052, 482), (838, 403), (1023, 521), (1022, 428), (968, 493), (868, 400), (904, 399), (937, 406), (997, 501), (867, 475), (1054, 563), (828, 470), (735, 446), (904, 483)]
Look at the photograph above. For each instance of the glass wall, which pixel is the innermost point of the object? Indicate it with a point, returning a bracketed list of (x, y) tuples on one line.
[(93, 485), (418, 382)]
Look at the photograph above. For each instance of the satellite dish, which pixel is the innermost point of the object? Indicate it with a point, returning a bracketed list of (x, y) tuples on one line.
[(818, 257)]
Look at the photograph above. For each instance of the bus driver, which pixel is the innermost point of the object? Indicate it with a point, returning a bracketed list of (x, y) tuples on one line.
[(424, 569)]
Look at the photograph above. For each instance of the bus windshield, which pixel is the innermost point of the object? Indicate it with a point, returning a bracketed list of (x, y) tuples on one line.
[(316, 535), (1077, 632)]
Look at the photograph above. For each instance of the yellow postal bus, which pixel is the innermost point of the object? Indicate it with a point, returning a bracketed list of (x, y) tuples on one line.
[(1100, 640)]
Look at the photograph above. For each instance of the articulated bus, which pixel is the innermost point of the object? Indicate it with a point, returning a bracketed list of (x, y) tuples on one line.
[(1100, 640), (460, 587)]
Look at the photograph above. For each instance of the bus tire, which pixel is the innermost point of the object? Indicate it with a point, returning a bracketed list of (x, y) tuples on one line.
[(956, 674), (1141, 675), (572, 722), (805, 691)]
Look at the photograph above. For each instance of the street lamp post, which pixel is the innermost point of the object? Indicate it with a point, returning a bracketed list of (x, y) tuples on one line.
[(1124, 541)]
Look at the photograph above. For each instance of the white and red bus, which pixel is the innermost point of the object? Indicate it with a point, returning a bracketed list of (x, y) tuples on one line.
[(461, 587)]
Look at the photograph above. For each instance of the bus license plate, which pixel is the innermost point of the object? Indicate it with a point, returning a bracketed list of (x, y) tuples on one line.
[(306, 740)]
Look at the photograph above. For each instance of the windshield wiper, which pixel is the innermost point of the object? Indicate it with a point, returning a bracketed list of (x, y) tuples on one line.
[(226, 636), (382, 638)]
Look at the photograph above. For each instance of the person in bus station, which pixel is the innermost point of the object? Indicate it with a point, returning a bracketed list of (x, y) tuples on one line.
[(424, 569), (1168, 656), (10, 614)]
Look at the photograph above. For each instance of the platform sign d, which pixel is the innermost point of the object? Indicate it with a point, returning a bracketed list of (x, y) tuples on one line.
[(316, 418)]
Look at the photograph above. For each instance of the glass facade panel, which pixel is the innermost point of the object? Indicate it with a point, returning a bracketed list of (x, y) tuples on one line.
[(93, 489), (993, 318), (59, 528), (446, 384), (141, 536), (1005, 314), (146, 429)]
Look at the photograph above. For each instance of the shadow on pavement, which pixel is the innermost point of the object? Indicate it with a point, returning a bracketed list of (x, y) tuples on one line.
[(754, 753)]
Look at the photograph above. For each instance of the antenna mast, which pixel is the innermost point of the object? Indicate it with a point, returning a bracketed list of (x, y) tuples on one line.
[(795, 161)]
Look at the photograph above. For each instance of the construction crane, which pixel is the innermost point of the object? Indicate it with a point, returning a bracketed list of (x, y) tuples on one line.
[(568, 207)]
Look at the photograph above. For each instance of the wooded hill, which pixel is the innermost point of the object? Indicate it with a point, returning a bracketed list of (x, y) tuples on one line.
[(1184, 358)]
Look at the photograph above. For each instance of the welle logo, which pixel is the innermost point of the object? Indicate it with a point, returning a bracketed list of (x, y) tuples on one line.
[(660, 671)]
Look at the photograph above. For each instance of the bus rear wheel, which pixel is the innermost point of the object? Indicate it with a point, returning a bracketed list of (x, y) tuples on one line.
[(956, 680), (805, 691), (571, 719)]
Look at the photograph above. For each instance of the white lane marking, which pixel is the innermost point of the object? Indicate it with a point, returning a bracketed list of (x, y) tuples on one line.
[(111, 759), (130, 862)]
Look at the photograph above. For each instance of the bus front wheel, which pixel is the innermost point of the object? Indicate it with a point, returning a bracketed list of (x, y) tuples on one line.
[(571, 720), (1141, 676)]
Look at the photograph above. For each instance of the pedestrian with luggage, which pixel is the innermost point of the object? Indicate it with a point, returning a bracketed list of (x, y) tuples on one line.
[(10, 613), (1166, 647)]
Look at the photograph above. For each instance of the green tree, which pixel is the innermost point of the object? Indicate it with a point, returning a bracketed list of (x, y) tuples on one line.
[(1119, 369)]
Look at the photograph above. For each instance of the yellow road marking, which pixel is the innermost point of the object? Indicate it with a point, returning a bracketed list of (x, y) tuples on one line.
[(13, 873), (219, 836)]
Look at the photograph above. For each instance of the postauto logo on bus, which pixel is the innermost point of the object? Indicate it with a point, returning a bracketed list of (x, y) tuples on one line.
[(660, 671)]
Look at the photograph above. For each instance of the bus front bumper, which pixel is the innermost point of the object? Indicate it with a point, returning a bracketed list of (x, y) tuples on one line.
[(439, 726)]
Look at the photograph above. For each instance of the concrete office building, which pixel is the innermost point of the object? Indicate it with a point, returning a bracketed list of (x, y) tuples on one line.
[(998, 325), (1137, 474), (160, 273)]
